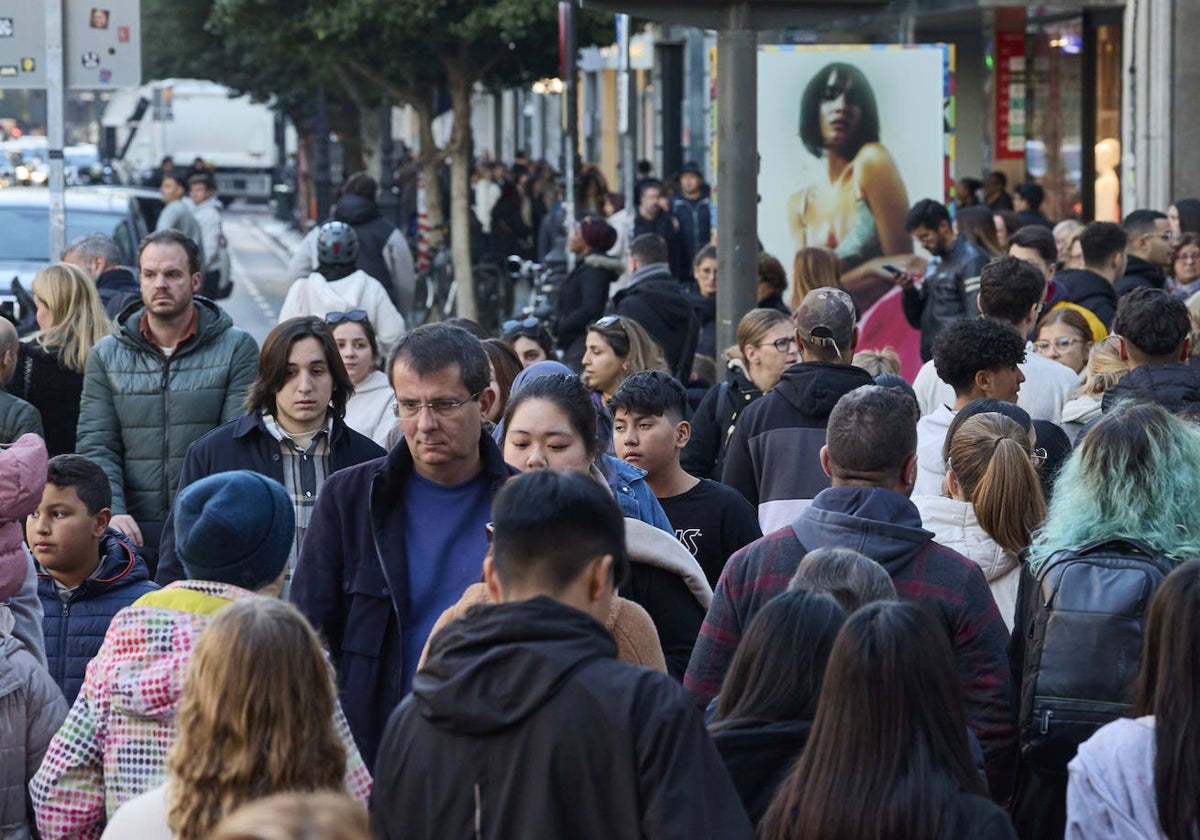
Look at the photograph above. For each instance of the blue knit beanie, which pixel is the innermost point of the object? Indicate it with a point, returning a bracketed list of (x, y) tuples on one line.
[(234, 527)]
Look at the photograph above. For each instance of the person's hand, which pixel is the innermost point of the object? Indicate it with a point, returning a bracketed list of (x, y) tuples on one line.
[(128, 526)]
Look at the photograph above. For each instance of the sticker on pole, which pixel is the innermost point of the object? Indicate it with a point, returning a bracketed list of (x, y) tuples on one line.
[(90, 60), (6, 27)]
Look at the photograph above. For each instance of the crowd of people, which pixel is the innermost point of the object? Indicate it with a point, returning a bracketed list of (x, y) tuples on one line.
[(597, 577)]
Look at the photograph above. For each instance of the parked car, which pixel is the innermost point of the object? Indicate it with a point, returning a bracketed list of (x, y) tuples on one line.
[(24, 218)]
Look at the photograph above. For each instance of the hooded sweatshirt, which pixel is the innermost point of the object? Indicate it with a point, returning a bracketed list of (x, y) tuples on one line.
[(773, 457), (314, 295), (370, 411), (931, 438), (531, 690), (886, 527), (1110, 795)]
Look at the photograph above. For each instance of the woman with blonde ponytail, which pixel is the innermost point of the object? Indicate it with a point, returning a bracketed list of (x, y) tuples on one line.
[(995, 501)]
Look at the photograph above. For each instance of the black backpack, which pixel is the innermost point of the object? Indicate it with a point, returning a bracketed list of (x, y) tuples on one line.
[(1083, 645)]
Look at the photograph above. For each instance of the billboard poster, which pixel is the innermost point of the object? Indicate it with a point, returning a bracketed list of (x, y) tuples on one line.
[(850, 137)]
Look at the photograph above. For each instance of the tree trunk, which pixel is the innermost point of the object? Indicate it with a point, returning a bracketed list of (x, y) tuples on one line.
[(459, 82)]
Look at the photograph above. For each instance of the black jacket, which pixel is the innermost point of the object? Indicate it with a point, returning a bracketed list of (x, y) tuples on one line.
[(581, 300), (773, 454), (694, 216), (373, 231), (245, 444), (759, 758), (666, 226), (118, 288), (524, 724), (714, 422), (705, 309), (1139, 273), (658, 303), (1089, 290), (53, 389), (1035, 217), (949, 291), (1175, 387)]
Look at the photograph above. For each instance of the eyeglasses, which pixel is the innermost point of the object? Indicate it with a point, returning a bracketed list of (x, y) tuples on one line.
[(490, 528), (1189, 257), (408, 409), (1063, 343), (355, 315), (783, 345), (528, 323), (1039, 458), (609, 321)]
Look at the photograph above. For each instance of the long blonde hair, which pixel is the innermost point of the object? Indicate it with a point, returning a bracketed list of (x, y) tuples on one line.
[(255, 718), (1105, 368), (79, 319), (993, 459)]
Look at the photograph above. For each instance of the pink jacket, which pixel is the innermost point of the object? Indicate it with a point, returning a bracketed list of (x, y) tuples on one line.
[(22, 479), (114, 742)]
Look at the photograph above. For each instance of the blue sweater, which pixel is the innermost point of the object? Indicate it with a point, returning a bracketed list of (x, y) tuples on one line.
[(75, 628)]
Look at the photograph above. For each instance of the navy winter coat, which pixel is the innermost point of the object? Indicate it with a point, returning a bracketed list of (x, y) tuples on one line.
[(245, 444), (351, 581), (75, 629)]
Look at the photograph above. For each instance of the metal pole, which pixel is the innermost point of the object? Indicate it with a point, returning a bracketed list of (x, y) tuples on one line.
[(737, 151), (566, 23), (388, 203), (55, 95), (626, 110)]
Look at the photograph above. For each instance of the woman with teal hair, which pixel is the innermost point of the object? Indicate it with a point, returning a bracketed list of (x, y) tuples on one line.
[(1134, 476)]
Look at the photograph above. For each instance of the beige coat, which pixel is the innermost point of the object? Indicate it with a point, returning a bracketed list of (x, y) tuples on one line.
[(630, 625)]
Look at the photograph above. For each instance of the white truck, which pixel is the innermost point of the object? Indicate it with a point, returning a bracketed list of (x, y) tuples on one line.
[(190, 118)]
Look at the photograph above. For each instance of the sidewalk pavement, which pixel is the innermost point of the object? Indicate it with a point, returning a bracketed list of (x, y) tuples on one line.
[(281, 233)]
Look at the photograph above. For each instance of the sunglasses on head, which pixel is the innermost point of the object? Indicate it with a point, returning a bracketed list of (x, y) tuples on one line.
[(529, 324), (355, 315), (609, 321)]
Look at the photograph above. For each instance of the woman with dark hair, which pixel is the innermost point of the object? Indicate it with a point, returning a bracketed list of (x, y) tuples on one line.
[(772, 283), (550, 423), (504, 366), (978, 226), (1007, 223), (859, 211), (616, 347), (888, 754), (584, 292), (1184, 216), (1140, 777), (371, 411), (529, 339), (769, 695)]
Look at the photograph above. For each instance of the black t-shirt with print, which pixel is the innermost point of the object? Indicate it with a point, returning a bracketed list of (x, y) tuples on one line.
[(712, 521)]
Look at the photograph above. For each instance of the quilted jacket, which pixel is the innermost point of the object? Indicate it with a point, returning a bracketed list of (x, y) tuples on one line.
[(140, 411)]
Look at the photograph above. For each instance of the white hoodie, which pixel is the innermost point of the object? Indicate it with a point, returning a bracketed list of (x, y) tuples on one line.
[(314, 295), (369, 412), (954, 525), (1110, 795)]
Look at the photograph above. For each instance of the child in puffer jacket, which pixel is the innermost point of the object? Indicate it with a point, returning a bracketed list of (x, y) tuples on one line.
[(31, 706)]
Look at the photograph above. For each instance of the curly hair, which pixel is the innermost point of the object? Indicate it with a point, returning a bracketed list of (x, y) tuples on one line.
[(255, 718), (1153, 323), (970, 345), (1136, 474)]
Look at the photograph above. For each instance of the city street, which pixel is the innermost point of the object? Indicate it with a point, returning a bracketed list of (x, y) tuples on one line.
[(259, 250)]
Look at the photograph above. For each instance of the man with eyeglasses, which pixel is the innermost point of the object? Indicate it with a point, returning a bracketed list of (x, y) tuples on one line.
[(1147, 253), (772, 457), (294, 431), (395, 541)]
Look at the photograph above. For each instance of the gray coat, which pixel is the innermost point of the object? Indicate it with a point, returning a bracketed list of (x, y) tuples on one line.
[(17, 417), (140, 411), (31, 711)]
